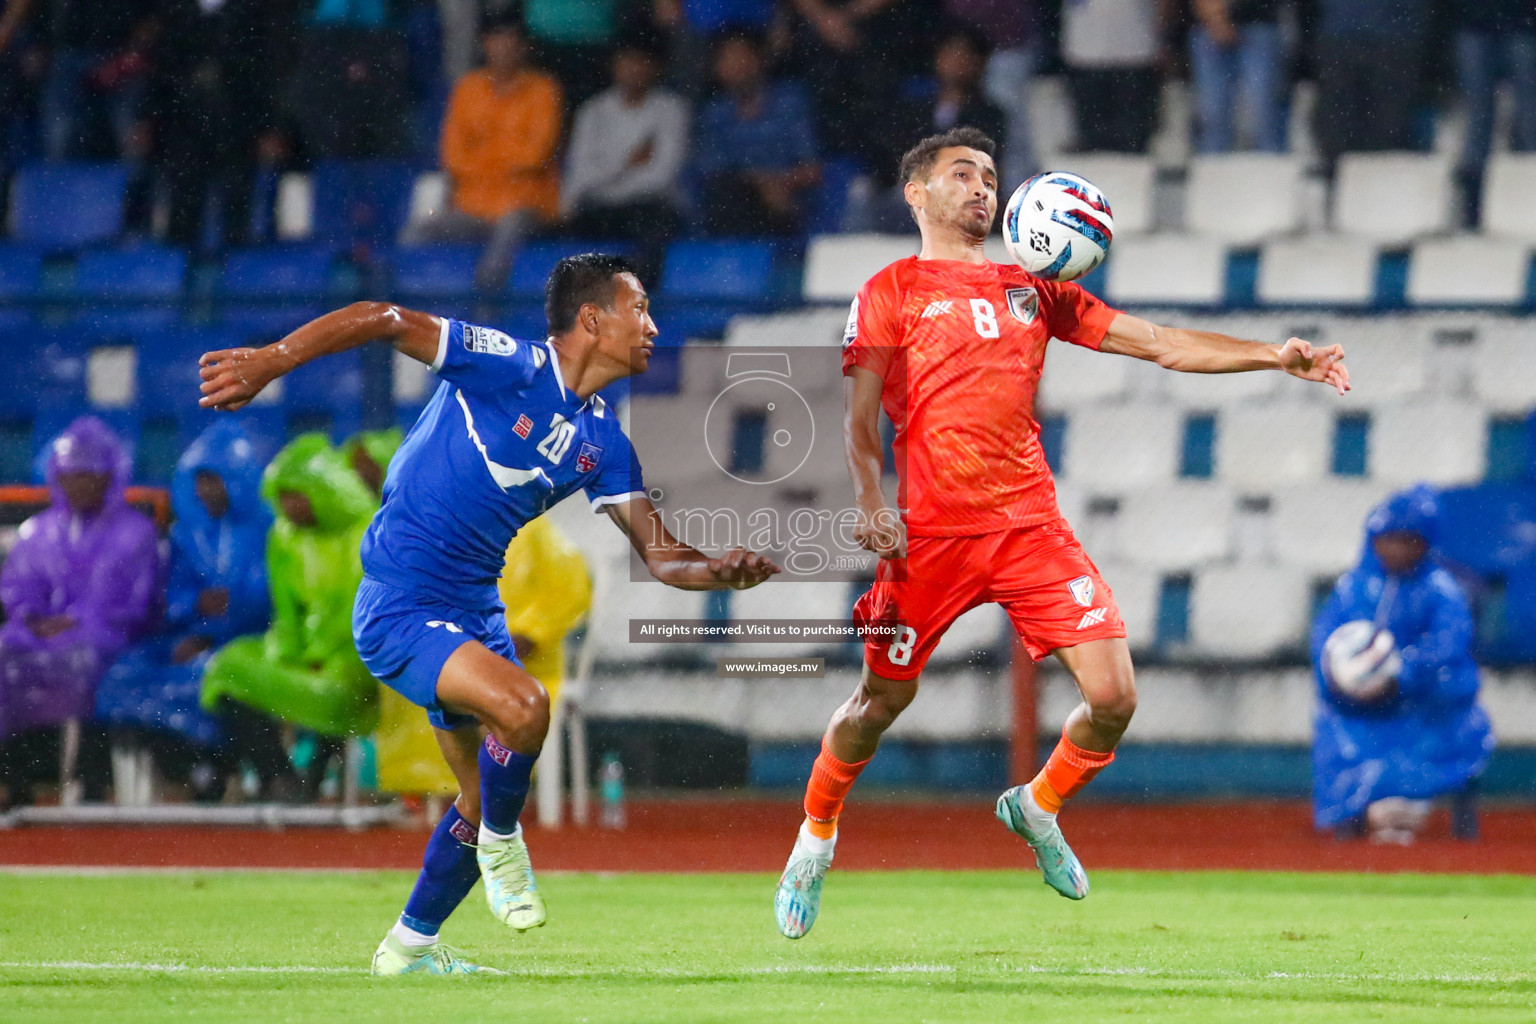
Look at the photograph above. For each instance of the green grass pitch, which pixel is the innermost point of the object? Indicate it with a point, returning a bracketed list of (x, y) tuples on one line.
[(890, 947)]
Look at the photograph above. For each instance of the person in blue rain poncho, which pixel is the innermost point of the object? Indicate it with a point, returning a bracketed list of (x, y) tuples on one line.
[(217, 591), (1414, 730)]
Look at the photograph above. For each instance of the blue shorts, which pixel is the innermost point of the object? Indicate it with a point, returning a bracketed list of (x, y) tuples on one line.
[(405, 640)]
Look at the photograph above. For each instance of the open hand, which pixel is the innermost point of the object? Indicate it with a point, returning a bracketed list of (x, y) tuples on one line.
[(1302, 359), (232, 377), (741, 568)]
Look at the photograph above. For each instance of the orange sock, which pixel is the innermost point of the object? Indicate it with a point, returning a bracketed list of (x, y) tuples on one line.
[(831, 780), (1068, 770)]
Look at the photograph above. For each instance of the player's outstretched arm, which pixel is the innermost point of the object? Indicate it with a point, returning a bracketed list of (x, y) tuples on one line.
[(1178, 348), (232, 377), (880, 528), (678, 565)]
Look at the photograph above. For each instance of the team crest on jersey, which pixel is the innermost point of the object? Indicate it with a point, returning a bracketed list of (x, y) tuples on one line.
[(488, 342), (586, 458), (1081, 590), (1024, 304), (522, 426), (851, 331)]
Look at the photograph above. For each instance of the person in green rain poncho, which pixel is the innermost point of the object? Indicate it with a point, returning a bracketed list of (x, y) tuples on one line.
[(369, 454), (304, 669)]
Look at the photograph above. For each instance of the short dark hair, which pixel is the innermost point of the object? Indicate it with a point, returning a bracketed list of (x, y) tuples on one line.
[(506, 21), (643, 41), (578, 280), (917, 162)]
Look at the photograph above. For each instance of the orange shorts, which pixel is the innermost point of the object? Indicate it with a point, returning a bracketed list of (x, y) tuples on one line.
[(1041, 576)]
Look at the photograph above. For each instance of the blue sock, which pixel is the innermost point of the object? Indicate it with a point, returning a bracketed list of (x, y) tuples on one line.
[(448, 872), (504, 776)]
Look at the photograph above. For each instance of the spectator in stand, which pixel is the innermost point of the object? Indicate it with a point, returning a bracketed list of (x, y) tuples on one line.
[(349, 92), (1010, 28), (23, 70), (1398, 724), (1111, 49), (754, 145), (304, 669), (212, 103), (499, 150), (691, 24), (1494, 39), (959, 63), (1237, 59), (217, 591), (573, 39), (79, 586), (1370, 68), (621, 178)]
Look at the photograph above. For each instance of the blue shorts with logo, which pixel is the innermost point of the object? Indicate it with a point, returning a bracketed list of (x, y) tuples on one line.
[(405, 641)]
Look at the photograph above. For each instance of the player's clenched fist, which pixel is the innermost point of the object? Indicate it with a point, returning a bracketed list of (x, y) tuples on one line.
[(741, 568), (882, 531), (232, 377)]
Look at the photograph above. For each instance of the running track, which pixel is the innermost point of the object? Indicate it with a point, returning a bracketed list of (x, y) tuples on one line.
[(754, 835)]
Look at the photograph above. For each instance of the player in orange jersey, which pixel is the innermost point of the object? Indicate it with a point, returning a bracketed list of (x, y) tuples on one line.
[(951, 345)]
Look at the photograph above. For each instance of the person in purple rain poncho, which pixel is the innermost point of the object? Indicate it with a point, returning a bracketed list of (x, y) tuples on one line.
[(81, 583)]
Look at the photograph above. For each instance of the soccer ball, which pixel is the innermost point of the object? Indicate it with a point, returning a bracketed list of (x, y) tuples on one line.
[(1360, 660), (1057, 226)]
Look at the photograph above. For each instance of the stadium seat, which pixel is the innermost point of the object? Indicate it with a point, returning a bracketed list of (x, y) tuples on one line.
[(261, 324), (1260, 447), (1243, 198), (1074, 376), (1320, 527), (1176, 526), (1126, 181), (1393, 198), (1318, 271), (429, 194), (361, 202), (435, 272), (812, 326), (326, 395), (1249, 611), (830, 199), (414, 384), (738, 271), (836, 266), (167, 369), (294, 208), (1175, 269), (64, 207), (142, 273), (1442, 442), (533, 263), (1219, 390), (1469, 271), (981, 631), (1387, 361), (21, 273), (1135, 590), (111, 376), (282, 272), (1504, 367), (1508, 184), (1118, 448), (124, 323)]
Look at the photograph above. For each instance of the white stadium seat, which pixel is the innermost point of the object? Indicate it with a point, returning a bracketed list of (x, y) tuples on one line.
[(1508, 186), (1179, 526), (1182, 269), (801, 327), (1074, 375), (983, 628), (1386, 360), (1319, 270), (1243, 198), (1126, 181), (1469, 271), (1504, 369), (1115, 448), (788, 598), (294, 209), (1441, 442), (836, 266), (1248, 611), (1392, 198), (1135, 589), (429, 196), (1263, 446), (1320, 527)]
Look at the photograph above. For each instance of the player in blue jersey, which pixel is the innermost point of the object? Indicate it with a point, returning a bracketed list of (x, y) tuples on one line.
[(514, 427)]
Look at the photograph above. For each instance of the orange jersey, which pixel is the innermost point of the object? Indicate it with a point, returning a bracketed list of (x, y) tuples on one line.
[(960, 347)]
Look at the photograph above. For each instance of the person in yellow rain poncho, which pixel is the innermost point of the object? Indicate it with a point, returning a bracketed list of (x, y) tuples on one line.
[(547, 590), (304, 669)]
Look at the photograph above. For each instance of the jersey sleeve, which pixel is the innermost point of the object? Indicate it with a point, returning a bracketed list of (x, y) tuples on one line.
[(874, 329), (481, 359), (618, 476), (1076, 315)]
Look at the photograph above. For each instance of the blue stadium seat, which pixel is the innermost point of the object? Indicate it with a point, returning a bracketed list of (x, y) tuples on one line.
[(21, 273), (142, 273), (1519, 640), (718, 270), (830, 201), (168, 371), (361, 202), (326, 394), (435, 272), (259, 325), (1490, 528), (15, 322), (64, 207), (533, 263), (282, 272), (111, 323)]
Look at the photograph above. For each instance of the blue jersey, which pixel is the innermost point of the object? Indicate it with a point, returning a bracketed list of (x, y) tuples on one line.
[(502, 440)]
